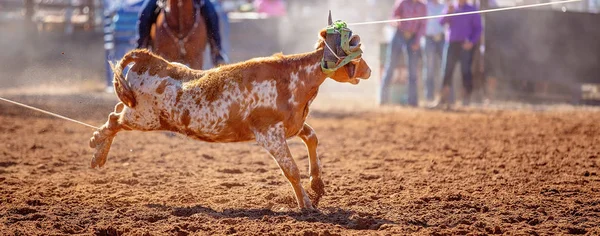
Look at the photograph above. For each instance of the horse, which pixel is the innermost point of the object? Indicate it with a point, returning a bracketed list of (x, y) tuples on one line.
[(179, 34)]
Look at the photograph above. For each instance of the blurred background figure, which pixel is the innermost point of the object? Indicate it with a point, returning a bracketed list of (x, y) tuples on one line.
[(150, 12), (224, 29), (224, 25), (515, 66), (434, 48), (273, 8), (28, 9), (463, 33), (406, 38)]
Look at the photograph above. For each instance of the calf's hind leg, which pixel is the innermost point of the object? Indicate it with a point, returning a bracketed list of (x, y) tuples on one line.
[(103, 137), (316, 189)]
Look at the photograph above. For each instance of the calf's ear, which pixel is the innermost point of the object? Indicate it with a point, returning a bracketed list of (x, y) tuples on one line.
[(323, 34)]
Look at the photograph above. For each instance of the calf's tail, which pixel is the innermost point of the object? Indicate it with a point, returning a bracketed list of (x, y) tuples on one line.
[(121, 85)]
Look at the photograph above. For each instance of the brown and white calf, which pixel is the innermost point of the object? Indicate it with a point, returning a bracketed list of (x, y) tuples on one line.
[(263, 99)]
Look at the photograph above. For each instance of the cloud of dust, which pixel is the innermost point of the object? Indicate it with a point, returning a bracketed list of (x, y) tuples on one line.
[(49, 62), (544, 45), (31, 58)]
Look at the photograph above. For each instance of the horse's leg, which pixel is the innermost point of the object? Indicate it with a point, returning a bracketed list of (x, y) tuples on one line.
[(196, 46), (272, 138), (195, 60), (316, 188)]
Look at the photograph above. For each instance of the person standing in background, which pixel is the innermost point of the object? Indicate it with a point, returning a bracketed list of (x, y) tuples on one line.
[(407, 36), (464, 32), (434, 47)]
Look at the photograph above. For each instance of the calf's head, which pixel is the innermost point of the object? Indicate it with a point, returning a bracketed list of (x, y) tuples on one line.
[(342, 57)]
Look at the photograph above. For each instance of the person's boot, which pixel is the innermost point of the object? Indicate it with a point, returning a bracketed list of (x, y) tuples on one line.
[(444, 102), (143, 43), (466, 99), (384, 97), (213, 33), (218, 57)]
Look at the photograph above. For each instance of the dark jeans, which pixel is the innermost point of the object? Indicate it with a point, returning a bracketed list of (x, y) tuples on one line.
[(454, 54), (434, 55), (150, 12), (396, 49)]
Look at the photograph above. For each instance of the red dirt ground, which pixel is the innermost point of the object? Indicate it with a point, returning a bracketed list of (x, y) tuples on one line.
[(387, 172)]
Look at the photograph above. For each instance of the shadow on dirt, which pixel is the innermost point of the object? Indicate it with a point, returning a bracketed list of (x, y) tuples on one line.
[(337, 216)]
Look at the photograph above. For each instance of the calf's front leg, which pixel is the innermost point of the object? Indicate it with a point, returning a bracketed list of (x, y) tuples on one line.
[(316, 188), (272, 138), (103, 137)]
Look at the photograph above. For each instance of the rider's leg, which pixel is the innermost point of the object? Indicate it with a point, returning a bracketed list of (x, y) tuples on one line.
[(146, 18), (214, 33)]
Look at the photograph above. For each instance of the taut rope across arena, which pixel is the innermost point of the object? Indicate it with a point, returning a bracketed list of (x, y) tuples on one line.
[(47, 112), (350, 24), (464, 13)]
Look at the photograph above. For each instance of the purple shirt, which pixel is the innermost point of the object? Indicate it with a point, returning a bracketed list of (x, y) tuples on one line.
[(465, 27), (409, 9)]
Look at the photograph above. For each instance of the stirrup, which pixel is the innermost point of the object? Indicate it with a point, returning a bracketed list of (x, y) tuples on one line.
[(220, 59)]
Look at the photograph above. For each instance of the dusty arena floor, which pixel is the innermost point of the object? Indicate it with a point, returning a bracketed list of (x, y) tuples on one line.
[(387, 172)]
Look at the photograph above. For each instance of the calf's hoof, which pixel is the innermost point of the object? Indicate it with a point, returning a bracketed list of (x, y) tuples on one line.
[(99, 157), (100, 136), (315, 191), (102, 145), (308, 206)]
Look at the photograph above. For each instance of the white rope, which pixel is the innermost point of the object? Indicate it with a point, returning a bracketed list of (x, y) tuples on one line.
[(47, 112), (351, 24), (464, 13)]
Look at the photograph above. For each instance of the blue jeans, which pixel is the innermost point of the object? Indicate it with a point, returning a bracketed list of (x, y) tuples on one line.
[(454, 54), (224, 20), (434, 55), (396, 49)]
